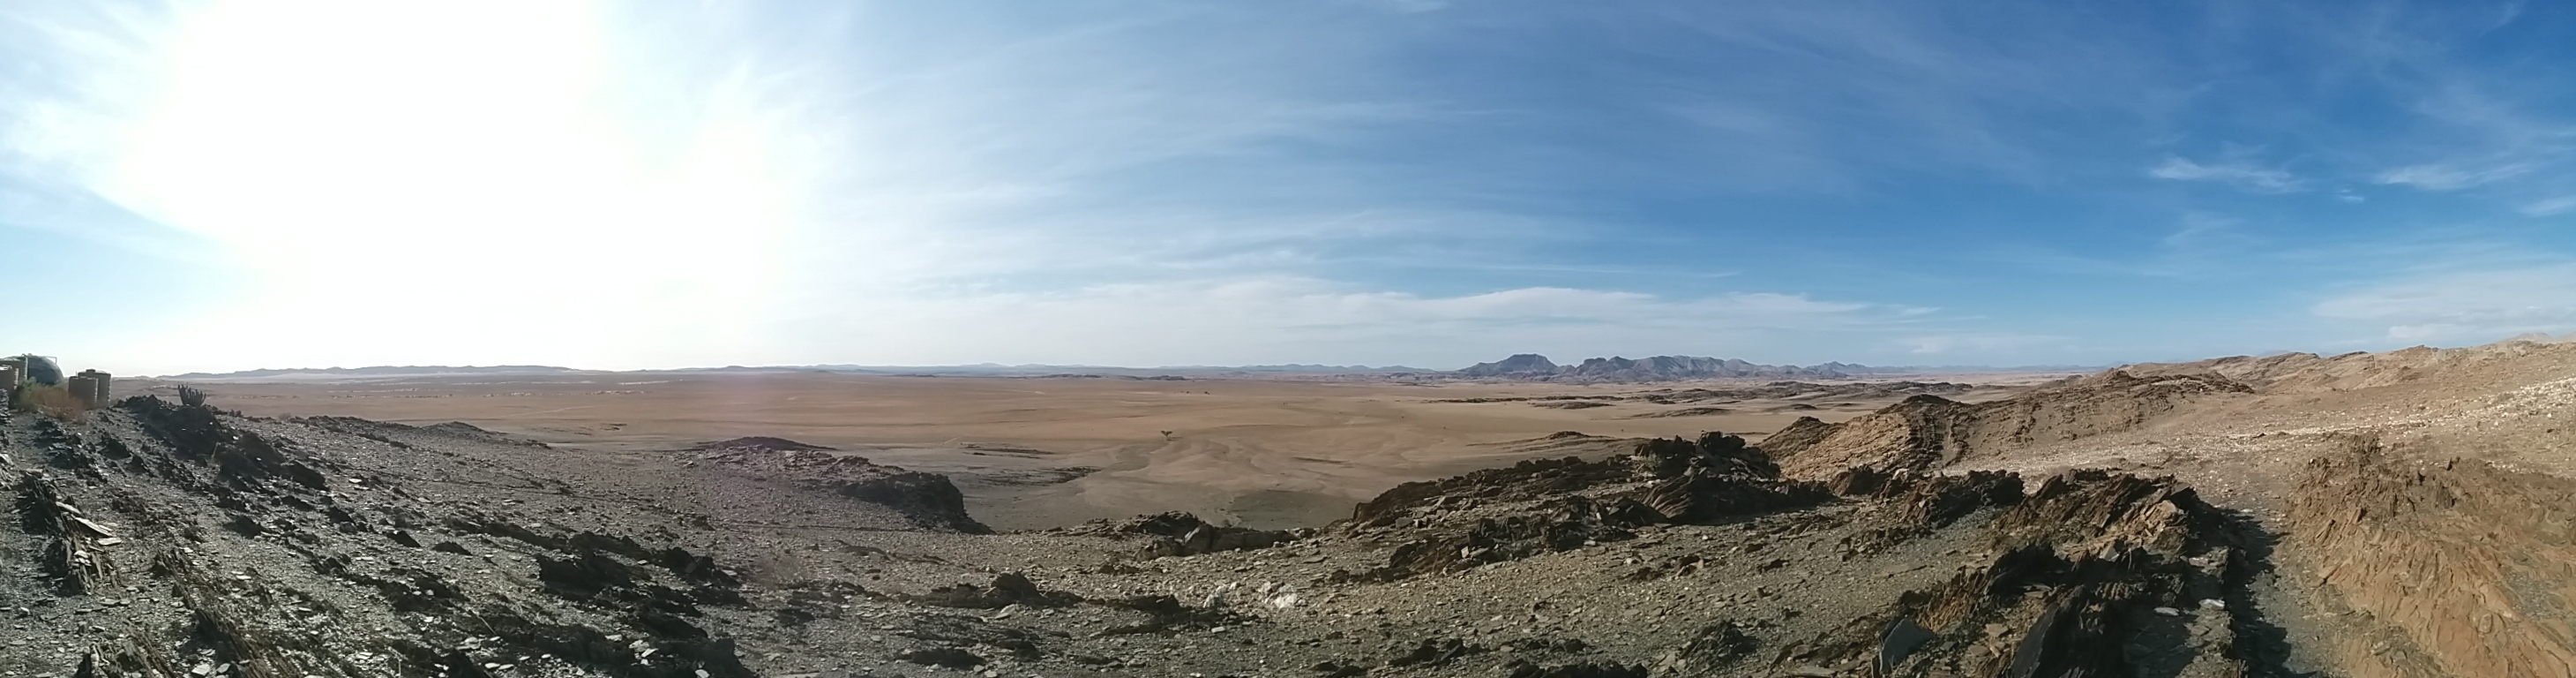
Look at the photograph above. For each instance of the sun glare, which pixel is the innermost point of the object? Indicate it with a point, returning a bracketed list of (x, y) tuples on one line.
[(459, 153)]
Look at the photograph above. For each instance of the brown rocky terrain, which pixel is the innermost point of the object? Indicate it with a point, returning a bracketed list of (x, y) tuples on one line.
[(1037, 453), (2240, 517), (1927, 431)]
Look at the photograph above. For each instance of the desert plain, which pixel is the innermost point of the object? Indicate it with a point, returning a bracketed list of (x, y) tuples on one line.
[(2401, 514), (1054, 451)]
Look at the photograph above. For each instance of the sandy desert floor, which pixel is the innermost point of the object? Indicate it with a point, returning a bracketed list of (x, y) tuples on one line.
[(1034, 453)]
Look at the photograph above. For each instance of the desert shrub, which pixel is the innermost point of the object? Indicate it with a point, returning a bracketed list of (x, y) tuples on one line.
[(189, 396), (51, 401)]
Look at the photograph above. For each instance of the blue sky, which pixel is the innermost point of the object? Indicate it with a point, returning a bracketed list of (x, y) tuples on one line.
[(232, 185)]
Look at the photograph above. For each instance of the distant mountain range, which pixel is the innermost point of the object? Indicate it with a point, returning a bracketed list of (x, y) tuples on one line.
[(1527, 366), (983, 370), (996, 368), (376, 371), (1664, 368)]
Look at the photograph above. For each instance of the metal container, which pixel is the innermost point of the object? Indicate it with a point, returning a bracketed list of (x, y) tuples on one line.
[(84, 388), (99, 387)]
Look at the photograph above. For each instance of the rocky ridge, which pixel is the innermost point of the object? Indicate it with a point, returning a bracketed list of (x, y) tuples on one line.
[(1926, 432)]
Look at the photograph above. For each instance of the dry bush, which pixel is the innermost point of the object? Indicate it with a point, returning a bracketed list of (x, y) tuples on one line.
[(51, 401)]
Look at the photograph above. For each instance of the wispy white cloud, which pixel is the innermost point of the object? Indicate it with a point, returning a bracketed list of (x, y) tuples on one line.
[(2240, 174), (2456, 305), (2452, 177), (1410, 6), (1851, 93), (2200, 245), (2203, 232), (2449, 97), (2551, 206), (2490, 131)]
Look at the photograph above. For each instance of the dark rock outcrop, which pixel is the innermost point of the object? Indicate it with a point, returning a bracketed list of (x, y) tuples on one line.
[(1009, 588), (758, 444), (1713, 647), (2081, 565), (928, 498), (1180, 533), (1564, 504), (197, 432), (1523, 668)]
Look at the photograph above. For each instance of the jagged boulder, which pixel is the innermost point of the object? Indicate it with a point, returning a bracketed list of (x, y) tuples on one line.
[(1711, 648), (1010, 588), (929, 499), (1562, 524), (1523, 668), (1527, 480), (1914, 505), (1179, 533), (2081, 565), (1434, 652), (1713, 454)]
